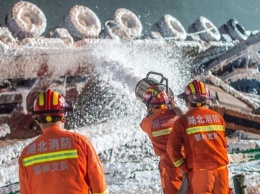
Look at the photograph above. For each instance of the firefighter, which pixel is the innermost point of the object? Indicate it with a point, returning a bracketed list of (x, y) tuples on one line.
[(158, 124), (202, 132), (58, 161)]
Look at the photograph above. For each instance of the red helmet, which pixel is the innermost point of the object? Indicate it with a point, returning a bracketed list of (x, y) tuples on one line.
[(49, 103), (155, 96), (196, 93)]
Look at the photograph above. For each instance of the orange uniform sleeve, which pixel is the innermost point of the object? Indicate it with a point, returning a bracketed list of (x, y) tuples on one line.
[(175, 147), (24, 188), (95, 177), (145, 125)]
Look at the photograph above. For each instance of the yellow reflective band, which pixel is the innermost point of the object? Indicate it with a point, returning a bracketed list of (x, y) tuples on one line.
[(55, 98), (179, 162), (155, 92), (203, 91), (207, 128), (192, 88), (202, 169), (161, 132), (48, 157), (150, 90), (41, 99), (105, 192)]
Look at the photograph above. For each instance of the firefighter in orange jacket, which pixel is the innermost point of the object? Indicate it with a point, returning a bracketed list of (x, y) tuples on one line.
[(158, 125), (202, 132), (58, 161)]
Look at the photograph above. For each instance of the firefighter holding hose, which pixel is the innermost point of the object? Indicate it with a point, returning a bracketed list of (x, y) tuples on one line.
[(162, 114), (202, 133)]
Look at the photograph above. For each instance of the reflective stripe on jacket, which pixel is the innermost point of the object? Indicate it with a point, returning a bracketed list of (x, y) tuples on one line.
[(158, 127), (202, 132), (60, 161)]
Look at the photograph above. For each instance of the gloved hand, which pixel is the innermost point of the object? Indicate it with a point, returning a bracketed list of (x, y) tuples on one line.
[(171, 105), (171, 100)]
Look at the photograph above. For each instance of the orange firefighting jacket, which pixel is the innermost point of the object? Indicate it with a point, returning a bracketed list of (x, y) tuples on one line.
[(158, 127), (202, 132), (60, 161)]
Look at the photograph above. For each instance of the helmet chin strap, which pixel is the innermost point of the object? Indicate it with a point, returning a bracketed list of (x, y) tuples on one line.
[(50, 119), (198, 104)]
